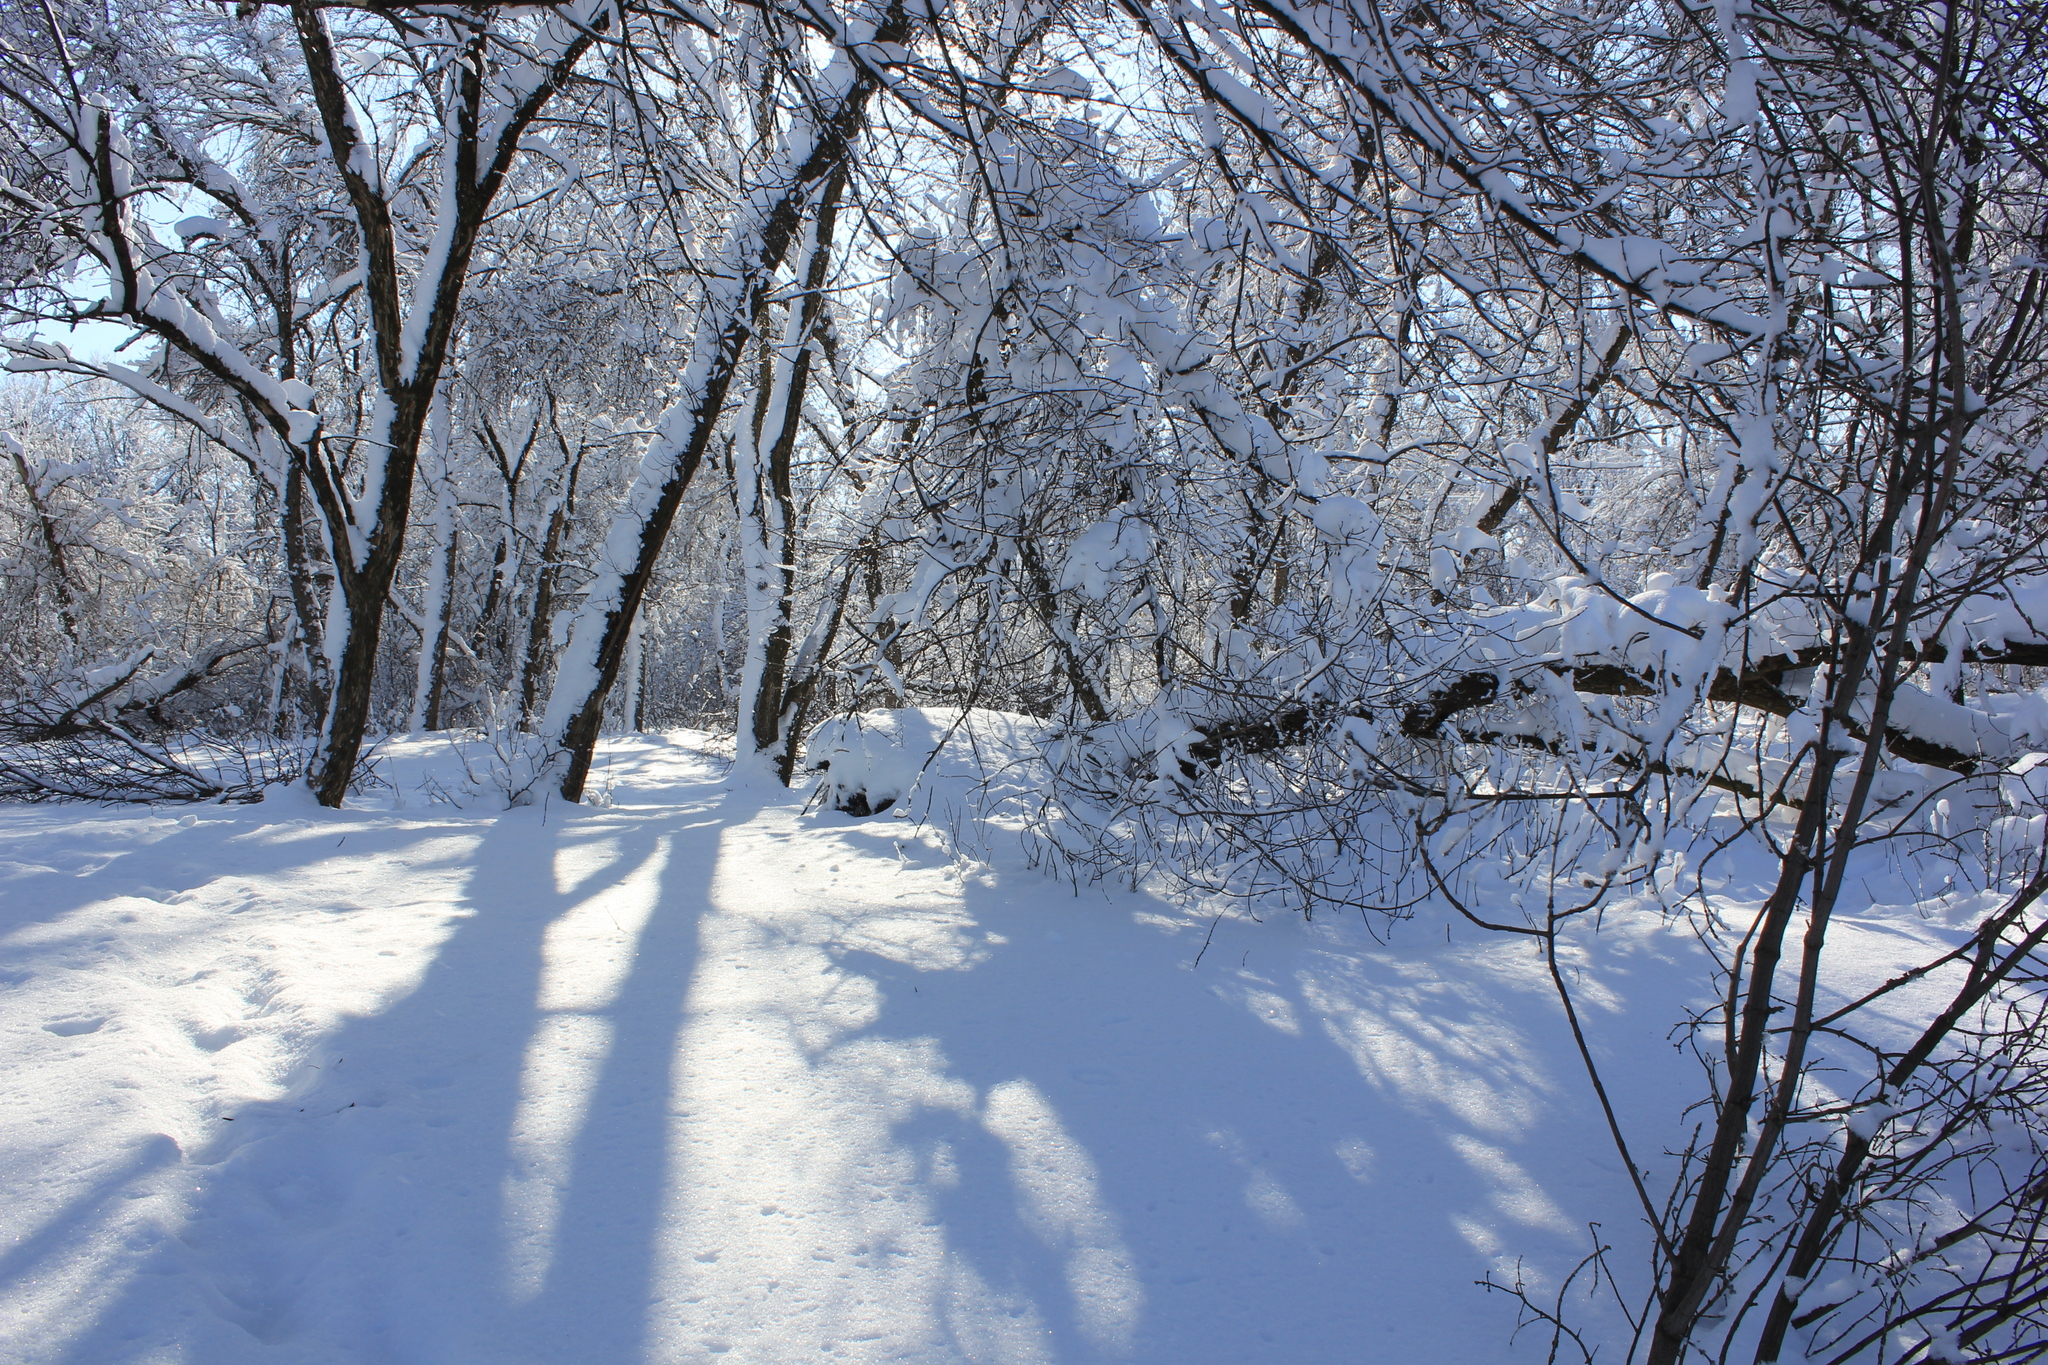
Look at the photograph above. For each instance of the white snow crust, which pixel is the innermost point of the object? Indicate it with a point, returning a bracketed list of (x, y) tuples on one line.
[(711, 1074)]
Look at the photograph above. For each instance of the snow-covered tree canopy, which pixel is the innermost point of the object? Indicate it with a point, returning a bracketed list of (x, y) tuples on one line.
[(1485, 455)]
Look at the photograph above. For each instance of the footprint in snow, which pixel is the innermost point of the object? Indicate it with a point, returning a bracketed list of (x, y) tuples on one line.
[(213, 1040), (71, 1028)]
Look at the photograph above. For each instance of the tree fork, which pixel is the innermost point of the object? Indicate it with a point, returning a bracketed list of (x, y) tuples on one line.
[(577, 721)]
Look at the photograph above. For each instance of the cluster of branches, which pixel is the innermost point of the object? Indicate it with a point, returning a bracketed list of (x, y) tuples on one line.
[(1399, 452)]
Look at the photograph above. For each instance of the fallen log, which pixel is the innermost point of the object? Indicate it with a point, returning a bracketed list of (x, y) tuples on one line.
[(1757, 684)]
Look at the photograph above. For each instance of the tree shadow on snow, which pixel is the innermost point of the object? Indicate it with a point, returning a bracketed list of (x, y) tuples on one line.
[(658, 1097), (380, 1210), (1313, 1160)]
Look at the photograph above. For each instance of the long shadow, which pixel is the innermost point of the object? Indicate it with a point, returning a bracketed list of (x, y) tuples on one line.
[(63, 1226), (360, 1216), (1273, 1203), (594, 1303), (1301, 1148), (1215, 1152), (155, 858)]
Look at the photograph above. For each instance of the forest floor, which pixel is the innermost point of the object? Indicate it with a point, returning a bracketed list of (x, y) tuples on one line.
[(703, 1075)]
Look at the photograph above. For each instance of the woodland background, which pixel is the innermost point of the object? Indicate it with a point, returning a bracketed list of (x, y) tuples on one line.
[(1487, 457)]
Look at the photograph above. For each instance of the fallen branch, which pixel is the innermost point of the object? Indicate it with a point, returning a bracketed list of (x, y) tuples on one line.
[(1757, 685)]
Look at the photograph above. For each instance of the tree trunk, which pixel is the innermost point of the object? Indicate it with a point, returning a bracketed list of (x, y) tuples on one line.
[(367, 536), (437, 693), (434, 615), (768, 505), (761, 240), (539, 622)]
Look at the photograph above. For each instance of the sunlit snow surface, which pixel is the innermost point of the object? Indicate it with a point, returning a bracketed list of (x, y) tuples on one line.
[(704, 1076)]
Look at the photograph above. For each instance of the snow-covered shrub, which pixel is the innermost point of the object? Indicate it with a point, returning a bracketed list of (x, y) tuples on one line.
[(865, 768), (503, 765)]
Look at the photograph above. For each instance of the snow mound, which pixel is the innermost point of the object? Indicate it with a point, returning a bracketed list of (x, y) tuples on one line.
[(865, 768)]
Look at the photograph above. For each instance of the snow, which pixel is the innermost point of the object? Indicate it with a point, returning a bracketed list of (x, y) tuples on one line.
[(714, 1072), (1105, 551), (1739, 104), (860, 761), (1865, 1122)]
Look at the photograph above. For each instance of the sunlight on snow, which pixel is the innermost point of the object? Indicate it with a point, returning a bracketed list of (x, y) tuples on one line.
[(588, 951), (795, 1217), (1359, 1159), (1263, 1194), (1415, 1042), (1515, 1194), (561, 1067), (1433, 1044), (1061, 1202), (1274, 1011), (585, 956)]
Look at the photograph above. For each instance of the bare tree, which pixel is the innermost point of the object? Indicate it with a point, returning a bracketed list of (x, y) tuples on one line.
[(413, 215)]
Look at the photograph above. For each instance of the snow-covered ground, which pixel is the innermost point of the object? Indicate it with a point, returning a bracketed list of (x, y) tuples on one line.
[(703, 1076)]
